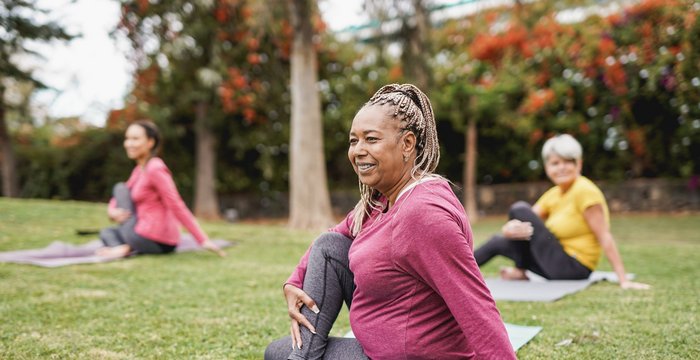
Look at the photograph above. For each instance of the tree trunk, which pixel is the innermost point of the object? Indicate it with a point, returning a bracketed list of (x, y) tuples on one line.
[(10, 184), (470, 200), (416, 46), (310, 206), (206, 203)]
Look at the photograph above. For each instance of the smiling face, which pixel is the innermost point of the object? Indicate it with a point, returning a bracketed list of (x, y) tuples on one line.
[(562, 172), (377, 150), (137, 144)]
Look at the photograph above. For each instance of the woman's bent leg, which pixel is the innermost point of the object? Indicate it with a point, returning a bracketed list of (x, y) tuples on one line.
[(124, 234), (141, 245), (329, 282), (110, 237), (550, 259), (114, 236), (518, 251), (336, 348)]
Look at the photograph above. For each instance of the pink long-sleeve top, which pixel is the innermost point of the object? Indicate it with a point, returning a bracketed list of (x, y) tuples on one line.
[(159, 207), (419, 292)]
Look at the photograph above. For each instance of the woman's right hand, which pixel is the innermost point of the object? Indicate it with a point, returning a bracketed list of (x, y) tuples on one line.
[(211, 246), (296, 298), (517, 230), (118, 215)]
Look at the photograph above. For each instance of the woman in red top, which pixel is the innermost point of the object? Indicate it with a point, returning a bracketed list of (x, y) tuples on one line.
[(402, 261), (148, 207)]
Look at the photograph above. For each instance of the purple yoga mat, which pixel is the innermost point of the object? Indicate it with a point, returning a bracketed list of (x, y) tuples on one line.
[(59, 253)]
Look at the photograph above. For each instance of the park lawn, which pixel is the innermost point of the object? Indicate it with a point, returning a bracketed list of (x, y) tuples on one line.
[(196, 305)]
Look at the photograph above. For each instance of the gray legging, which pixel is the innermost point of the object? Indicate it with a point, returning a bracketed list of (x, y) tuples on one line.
[(329, 282), (125, 233), (542, 254)]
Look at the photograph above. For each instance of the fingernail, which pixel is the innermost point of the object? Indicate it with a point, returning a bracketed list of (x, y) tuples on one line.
[(315, 310), (313, 331)]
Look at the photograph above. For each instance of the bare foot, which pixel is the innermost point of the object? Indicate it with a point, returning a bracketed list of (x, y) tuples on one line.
[(113, 252), (511, 273)]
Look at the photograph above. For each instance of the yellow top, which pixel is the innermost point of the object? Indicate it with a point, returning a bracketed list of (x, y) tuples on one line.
[(564, 214)]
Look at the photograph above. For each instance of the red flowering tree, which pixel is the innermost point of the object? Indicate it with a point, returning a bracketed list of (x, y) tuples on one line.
[(626, 85), (210, 63)]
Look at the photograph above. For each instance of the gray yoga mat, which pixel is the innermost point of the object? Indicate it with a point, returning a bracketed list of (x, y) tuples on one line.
[(518, 335), (543, 290), (59, 253)]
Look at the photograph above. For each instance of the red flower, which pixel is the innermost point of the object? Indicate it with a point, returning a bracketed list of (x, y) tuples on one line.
[(636, 141), (615, 19), (536, 135), (249, 115), (615, 78), (253, 59), (606, 46), (584, 128), (143, 6), (221, 14), (395, 73), (537, 100), (253, 44)]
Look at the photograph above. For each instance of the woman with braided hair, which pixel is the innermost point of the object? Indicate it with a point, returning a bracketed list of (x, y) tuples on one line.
[(402, 260)]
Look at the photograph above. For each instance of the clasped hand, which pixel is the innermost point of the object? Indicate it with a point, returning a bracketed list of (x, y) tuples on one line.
[(517, 230), (118, 215), (296, 298)]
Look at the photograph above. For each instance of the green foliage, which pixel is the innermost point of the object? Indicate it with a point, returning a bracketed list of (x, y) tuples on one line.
[(621, 84), (627, 86), (195, 305), (83, 165), (19, 24)]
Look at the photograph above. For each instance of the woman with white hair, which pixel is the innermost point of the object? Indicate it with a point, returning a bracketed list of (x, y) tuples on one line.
[(563, 234)]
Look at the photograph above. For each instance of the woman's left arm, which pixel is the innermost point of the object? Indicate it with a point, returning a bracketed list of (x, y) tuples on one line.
[(439, 253), (595, 218), (165, 186)]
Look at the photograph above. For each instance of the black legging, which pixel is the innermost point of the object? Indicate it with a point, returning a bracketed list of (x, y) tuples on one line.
[(125, 233), (329, 282), (542, 254)]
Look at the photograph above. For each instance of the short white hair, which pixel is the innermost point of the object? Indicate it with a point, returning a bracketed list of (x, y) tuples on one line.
[(564, 146)]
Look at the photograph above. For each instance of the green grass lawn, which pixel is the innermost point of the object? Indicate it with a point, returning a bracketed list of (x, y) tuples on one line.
[(196, 305)]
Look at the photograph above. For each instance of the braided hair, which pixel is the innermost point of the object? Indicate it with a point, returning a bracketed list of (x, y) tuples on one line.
[(411, 107)]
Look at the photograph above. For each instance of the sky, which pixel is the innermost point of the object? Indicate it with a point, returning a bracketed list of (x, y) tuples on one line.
[(90, 75)]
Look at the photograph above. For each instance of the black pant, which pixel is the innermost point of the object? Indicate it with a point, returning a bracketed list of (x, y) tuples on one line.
[(542, 254), (125, 233)]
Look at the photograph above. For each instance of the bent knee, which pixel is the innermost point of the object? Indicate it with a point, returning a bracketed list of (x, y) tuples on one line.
[(331, 243), (518, 208), (520, 205), (120, 186)]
